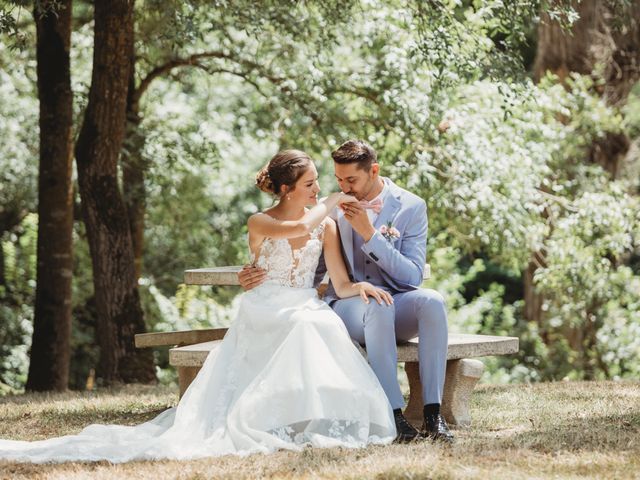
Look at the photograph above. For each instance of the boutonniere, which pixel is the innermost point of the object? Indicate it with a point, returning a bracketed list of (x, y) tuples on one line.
[(389, 232)]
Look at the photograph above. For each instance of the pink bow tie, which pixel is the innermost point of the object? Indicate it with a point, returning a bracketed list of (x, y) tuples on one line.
[(375, 205)]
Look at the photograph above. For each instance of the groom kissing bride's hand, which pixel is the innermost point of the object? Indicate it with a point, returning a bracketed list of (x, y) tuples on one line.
[(394, 263)]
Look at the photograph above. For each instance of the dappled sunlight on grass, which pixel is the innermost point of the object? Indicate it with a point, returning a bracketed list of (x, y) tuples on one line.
[(557, 430), (41, 415)]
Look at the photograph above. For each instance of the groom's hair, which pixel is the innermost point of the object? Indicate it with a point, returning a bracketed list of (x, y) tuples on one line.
[(356, 151)]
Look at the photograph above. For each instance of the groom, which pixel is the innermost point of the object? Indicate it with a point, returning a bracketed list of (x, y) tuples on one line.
[(384, 243)]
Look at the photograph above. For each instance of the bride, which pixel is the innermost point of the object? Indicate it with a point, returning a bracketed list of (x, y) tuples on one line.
[(286, 374)]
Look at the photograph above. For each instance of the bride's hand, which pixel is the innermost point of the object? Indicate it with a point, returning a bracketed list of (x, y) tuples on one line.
[(250, 277), (346, 198), (366, 290)]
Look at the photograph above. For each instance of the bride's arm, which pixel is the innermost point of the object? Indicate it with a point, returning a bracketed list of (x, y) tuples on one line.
[(338, 271), (261, 225)]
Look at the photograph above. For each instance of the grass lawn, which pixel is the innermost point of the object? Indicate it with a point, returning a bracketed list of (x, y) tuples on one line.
[(555, 430)]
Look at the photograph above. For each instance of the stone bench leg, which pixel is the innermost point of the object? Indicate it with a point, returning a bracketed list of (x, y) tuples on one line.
[(185, 377), (460, 379)]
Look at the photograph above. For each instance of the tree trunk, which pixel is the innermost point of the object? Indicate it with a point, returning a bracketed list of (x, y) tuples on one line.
[(49, 366), (133, 171), (562, 52), (105, 214), (135, 198), (620, 53)]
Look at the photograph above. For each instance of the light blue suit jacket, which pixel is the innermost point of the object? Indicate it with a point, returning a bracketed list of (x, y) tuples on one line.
[(395, 265)]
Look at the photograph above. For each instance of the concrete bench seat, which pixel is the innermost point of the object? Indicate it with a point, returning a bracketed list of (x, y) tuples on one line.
[(229, 275), (463, 371)]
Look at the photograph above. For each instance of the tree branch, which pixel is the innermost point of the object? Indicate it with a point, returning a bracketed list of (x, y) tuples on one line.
[(195, 61)]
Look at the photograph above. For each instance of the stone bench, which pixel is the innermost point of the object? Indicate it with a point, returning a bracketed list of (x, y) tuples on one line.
[(229, 275), (191, 348)]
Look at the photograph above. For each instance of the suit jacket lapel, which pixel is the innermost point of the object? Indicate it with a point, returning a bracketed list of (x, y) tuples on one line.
[(391, 205), (346, 237)]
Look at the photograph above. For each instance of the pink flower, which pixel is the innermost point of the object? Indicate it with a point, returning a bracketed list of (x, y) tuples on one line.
[(389, 232)]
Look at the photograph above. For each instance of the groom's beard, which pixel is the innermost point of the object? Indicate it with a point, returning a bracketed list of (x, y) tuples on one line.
[(367, 188)]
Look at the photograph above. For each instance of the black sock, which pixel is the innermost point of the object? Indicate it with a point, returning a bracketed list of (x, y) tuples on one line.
[(431, 409), (396, 411)]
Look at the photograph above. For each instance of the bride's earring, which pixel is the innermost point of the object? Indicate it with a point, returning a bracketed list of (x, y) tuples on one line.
[(288, 197)]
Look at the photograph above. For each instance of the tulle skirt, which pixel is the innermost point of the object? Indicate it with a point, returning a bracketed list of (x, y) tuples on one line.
[(286, 376)]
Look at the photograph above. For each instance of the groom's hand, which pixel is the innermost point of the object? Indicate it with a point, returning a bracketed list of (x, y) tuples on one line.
[(357, 216), (250, 276)]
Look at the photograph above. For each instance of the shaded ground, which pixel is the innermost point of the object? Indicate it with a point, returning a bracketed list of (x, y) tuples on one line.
[(555, 430)]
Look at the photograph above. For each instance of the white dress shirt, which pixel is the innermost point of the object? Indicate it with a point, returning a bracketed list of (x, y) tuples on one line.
[(382, 196)]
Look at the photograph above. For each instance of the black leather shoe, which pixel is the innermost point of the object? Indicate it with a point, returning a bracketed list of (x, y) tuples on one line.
[(436, 428), (406, 432)]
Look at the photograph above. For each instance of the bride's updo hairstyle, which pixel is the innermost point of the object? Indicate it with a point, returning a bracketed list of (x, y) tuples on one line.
[(285, 168)]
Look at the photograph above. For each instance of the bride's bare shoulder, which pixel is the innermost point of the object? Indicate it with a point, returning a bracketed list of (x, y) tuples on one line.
[(259, 217), (330, 226)]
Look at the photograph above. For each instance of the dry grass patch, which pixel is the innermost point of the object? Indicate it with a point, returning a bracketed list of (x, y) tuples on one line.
[(36, 416), (556, 430)]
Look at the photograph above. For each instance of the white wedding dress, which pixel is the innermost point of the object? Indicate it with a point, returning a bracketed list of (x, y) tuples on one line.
[(286, 376)]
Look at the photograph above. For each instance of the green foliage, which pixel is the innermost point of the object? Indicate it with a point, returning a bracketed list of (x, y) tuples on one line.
[(18, 122), (10, 15), (201, 157), (486, 311), (505, 176), (482, 175), (631, 112), (585, 284), (438, 88), (18, 180), (17, 299), (463, 41)]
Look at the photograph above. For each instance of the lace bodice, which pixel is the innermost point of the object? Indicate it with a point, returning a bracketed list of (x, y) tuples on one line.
[(291, 267)]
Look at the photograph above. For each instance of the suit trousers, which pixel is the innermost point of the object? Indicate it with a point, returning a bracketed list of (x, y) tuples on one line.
[(421, 313)]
